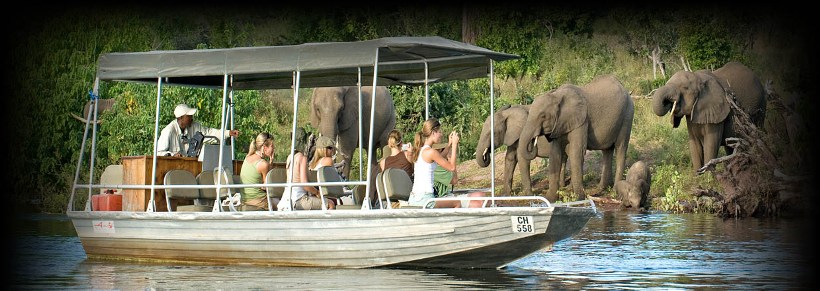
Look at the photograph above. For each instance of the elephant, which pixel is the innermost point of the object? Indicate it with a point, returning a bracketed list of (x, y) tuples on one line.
[(634, 191), (701, 97), (334, 111), (509, 121), (597, 116)]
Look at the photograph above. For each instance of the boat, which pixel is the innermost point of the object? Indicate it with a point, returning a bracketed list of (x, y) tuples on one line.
[(488, 237)]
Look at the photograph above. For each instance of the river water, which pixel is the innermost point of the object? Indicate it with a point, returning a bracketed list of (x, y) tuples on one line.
[(616, 250)]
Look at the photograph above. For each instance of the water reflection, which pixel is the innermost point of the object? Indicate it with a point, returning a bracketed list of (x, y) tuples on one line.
[(676, 251), (618, 250)]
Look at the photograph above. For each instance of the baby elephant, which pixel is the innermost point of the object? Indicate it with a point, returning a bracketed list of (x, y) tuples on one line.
[(634, 191)]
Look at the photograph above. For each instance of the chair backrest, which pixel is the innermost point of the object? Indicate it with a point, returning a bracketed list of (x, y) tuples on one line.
[(112, 175), (380, 186), (329, 174), (224, 177), (207, 178), (237, 180), (397, 184), (276, 175), (313, 176), (181, 177)]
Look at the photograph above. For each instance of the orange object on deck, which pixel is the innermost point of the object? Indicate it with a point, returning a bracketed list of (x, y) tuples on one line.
[(106, 202)]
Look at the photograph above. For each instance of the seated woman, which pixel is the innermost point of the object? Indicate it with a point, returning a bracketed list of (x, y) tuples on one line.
[(254, 169), (397, 157), (302, 197), (323, 157), (428, 159)]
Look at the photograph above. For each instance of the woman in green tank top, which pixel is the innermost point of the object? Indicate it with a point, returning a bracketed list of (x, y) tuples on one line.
[(254, 169)]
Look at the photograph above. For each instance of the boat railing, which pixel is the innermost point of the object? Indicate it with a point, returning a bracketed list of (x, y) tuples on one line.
[(535, 201), (214, 186)]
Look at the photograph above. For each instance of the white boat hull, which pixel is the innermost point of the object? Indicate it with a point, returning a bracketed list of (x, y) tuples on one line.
[(436, 238)]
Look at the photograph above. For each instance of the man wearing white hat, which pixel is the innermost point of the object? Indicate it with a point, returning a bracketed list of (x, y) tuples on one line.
[(172, 139)]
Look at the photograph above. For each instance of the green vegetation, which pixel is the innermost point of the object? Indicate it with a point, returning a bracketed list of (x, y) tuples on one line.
[(54, 63)]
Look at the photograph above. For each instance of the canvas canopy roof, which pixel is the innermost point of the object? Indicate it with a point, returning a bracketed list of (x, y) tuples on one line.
[(401, 60)]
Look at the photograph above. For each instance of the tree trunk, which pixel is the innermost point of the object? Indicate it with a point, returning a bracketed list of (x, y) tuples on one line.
[(468, 24), (657, 64)]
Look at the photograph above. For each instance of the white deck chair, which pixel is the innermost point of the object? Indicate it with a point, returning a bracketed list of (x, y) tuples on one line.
[(112, 175), (207, 178), (233, 199), (276, 175), (184, 177), (329, 174), (397, 186)]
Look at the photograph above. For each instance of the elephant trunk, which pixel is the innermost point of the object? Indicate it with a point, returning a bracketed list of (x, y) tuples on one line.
[(482, 149), (662, 100), (482, 157), (527, 147), (329, 127), (666, 100)]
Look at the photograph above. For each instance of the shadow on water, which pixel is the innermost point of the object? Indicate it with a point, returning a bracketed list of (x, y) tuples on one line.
[(617, 250)]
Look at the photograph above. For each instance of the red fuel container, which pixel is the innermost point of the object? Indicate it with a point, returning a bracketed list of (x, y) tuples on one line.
[(106, 202)]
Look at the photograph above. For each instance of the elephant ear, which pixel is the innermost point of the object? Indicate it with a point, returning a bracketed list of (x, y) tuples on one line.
[(572, 111), (711, 106), (513, 124)]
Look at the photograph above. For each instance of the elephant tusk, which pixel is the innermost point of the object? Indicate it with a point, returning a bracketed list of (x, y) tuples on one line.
[(674, 104), (485, 152)]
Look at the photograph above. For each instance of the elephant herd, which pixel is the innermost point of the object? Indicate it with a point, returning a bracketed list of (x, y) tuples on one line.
[(563, 123)]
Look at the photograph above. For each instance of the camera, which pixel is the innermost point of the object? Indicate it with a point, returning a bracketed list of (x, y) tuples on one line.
[(405, 147)]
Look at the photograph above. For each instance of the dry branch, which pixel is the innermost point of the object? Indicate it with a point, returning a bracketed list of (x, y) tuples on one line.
[(752, 179)]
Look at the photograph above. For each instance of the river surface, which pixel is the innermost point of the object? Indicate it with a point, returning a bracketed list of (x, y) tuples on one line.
[(617, 250)]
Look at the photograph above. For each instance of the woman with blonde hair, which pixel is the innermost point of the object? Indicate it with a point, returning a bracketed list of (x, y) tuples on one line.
[(254, 169), (323, 153), (302, 197), (427, 159)]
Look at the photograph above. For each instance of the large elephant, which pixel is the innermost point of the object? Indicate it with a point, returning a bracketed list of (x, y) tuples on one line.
[(335, 112), (509, 121), (701, 98), (574, 119)]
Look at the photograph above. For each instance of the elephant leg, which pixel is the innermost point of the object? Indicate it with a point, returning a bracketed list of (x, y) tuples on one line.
[(509, 169), (695, 148), (712, 138), (564, 169), (575, 154), (606, 169), (554, 170), (620, 160), (526, 180)]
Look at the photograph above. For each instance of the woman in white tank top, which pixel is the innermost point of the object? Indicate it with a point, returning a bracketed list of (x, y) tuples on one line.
[(427, 159)]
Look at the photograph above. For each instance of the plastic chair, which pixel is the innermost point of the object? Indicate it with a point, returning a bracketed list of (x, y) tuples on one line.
[(329, 174), (276, 175), (112, 175), (225, 177), (397, 185), (183, 177)]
